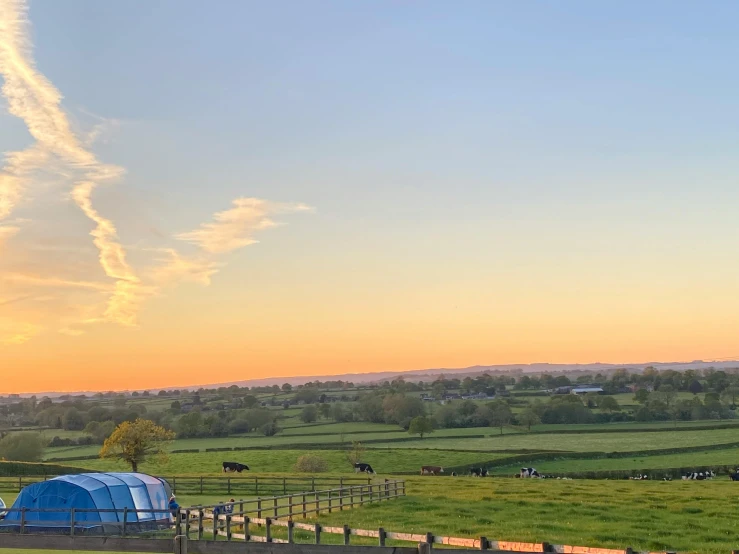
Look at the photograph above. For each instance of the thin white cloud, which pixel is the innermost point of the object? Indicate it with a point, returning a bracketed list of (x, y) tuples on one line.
[(173, 267), (34, 99), (235, 228)]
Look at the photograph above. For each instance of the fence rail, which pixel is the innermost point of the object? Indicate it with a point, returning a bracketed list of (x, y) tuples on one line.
[(247, 484)]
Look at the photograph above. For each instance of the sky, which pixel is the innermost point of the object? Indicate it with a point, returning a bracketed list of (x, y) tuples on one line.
[(200, 192)]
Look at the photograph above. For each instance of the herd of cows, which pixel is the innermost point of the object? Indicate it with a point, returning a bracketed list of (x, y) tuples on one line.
[(525, 473)]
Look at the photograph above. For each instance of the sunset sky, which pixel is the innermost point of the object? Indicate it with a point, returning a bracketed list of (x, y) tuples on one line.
[(199, 192)]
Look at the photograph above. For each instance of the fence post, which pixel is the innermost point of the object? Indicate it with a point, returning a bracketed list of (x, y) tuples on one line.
[(290, 531), (318, 504), (341, 497), (247, 537), (187, 523), (330, 508), (430, 539), (200, 524), (125, 520), (71, 522), (382, 536), (180, 544), (313, 484), (484, 544), (215, 525), (424, 548), (228, 527), (20, 484), (259, 508), (305, 508), (178, 522), (318, 533), (23, 521), (347, 535), (290, 507), (274, 502), (268, 529)]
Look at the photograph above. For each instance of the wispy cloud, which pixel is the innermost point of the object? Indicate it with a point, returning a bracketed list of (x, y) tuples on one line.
[(74, 297), (36, 101), (235, 228)]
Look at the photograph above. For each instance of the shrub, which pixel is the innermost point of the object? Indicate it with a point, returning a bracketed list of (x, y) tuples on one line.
[(21, 447), (311, 463)]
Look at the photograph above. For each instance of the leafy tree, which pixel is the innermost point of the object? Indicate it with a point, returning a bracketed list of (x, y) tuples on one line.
[(270, 429), (250, 401), (325, 410), (307, 395), (609, 404), (309, 414), (135, 442), (641, 396), (528, 417), (100, 430), (176, 407), (73, 420), (421, 426), (667, 395), (238, 426), (502, 414), (355, 454), (22, 447), (695, 386), (287, 387)]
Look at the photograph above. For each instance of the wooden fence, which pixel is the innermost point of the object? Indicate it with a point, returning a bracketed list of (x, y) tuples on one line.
[(289, 506), (251, 485)]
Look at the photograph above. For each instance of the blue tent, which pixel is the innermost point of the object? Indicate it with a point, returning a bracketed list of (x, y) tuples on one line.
[(100, 501)]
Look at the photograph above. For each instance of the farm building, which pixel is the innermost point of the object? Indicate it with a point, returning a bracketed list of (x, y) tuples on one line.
[(586, 390), (98, 502)]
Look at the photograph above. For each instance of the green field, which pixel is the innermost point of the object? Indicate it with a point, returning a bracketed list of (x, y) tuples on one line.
[(686, 516), (585, 442), (283, 461)]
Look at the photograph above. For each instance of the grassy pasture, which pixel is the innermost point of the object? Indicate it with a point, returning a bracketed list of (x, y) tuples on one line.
[(729, 456), (685, 516), (283, 461), (586, 442)]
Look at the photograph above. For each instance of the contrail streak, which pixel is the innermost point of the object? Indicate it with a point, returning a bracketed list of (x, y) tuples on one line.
[(34, 99)]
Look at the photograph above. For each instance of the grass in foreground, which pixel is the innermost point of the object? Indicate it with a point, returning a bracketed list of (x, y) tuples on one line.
[(683, 516)]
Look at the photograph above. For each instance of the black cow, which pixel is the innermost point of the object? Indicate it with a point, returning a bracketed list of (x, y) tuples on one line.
[(735, 475), (478, 472), (234, 466), (454, 473), (359, 467)]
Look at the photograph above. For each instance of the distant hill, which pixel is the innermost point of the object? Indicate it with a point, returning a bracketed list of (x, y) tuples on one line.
[(432, 374)]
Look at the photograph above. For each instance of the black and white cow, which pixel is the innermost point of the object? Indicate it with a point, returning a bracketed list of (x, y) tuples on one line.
[(360, 467), (640, 478), (699, 476), (478, 472), (454, 473), (529, 472), (735, 475), (667, 478), (234, 466)]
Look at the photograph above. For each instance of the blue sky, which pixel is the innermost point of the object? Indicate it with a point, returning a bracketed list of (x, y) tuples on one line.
[(564, 154)]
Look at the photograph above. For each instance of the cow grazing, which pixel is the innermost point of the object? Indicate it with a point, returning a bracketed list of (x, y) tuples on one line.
[(529, 472), (734, 476), (454, 473), (431, 470), (360, 467), (699, 476), (234, 466), (640, 478), (667, 478), (478, 472)]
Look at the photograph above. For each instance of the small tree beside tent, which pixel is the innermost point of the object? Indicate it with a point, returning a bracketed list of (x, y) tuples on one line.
[(134, 442)]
